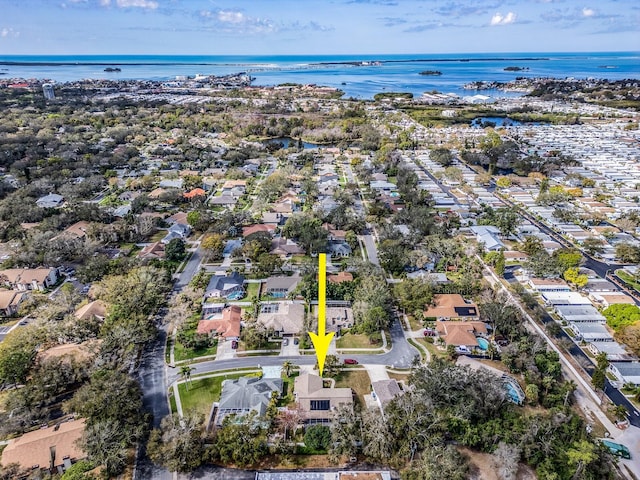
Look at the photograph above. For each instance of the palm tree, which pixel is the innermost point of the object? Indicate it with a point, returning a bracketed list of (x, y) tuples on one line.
[(185, 373), (287, 366)]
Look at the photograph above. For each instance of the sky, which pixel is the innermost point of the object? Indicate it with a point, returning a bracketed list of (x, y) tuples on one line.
[(305, 27)]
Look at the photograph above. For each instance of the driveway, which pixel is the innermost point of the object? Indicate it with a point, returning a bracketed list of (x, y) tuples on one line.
[(290, 350), (224, 351)]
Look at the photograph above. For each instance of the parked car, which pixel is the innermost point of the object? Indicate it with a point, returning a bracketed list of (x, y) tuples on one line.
[(234, 344), (296, 341), (285, 342), (350, 361)]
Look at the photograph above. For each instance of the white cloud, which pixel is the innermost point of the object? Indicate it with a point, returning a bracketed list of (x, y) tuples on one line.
[(231, 16), (6, 32), (105, 3), (588, 12), (499, 19), (150, 4)]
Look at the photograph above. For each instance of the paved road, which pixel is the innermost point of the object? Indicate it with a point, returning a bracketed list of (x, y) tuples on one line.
[(401, 355), (153, 379)]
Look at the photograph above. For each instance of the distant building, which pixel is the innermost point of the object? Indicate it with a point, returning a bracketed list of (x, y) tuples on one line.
[(47, 90)]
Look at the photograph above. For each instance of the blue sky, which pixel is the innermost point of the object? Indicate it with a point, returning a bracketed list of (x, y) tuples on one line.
[(219, 27)]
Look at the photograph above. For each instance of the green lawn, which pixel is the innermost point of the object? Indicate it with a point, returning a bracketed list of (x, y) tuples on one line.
[(183, 353), (203, 392), (357, 380), (359, 340), (628, 279), (242, 347), (159, 235), (253, 290)]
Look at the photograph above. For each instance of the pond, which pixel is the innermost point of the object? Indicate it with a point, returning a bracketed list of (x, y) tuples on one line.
[(482, 122), (286, 141)]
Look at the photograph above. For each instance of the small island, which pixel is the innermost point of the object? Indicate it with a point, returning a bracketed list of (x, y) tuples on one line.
[(516, 69), (112, 69), (431, 72)]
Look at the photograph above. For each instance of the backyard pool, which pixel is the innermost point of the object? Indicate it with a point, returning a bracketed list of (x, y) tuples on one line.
[(483, 343)]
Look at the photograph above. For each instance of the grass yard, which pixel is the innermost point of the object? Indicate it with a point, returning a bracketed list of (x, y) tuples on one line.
[(253, 290), (415, 324), (350, 340), (433, 350), (400, 377), (628, 279), (357, 380), (203, 392), (181, 352), (242, 347)]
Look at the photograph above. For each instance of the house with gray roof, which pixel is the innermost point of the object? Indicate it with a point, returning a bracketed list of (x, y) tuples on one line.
[(385, 391), (53, 200), (281, 286), (488, 235), (221, 286), (244, 395), (626, 372)]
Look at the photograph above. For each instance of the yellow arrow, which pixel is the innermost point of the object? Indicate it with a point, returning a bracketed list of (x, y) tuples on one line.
[(322, 340)]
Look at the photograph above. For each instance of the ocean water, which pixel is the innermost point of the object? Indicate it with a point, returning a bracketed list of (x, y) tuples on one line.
[(395, 73)]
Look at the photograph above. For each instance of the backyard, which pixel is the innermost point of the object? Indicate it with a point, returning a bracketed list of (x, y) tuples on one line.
[(358, 381), (200, 394)]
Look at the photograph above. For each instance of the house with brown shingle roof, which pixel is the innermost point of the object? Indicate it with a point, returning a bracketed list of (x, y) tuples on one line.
[(258, 227), (452, 306), (316, 401), (225, 325), (94, 310), (53, 448), (460, 334), (196, 192), (10, 301), (152, 251), (340, 277), (29, 278)]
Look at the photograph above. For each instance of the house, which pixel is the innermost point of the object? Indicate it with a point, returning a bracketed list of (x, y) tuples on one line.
[(224, 201), (177, 230), (339, 249), (514, 391), (178, 217), (235, 186), (565, 298), (226, 324), (53, 448), (152, 251), (10, 301), (53, 200), (223, 286), (337, 318), (579, 313), (452, 306), (515, 256), (385, 391), (591, 332), (488, 235), (29, 278), (461, 334), (340, 277), (122, 211), (613, 350), (549, 285), (259, 227), (285, 247), (195, 193), (285, 318), (273, 218), (315, 475), (430, 277), (93, 310), (626, 372), (171, 183), (280, 287), (77, 230), (607, 299), (316, 401), (246, 394)]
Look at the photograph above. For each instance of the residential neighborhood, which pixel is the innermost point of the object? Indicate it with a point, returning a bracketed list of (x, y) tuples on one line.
[(482, 289)]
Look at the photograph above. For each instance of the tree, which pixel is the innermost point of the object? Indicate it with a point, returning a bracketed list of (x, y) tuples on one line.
[(287, 366), (178, 444), (175, 250), (17, 354), (531, 392), (255, 335), (307, 230), (240, 442), (439, 462), (317, 437), (185, 374), (572, 275), (345, 431), (593, 245), (503, 182), (267, 264), (377, 440), (506, 458), (628, 253), (580, 455), (332, 366), (620, 316), (531, 245), (213, 245), (454, 174), (443, 156)]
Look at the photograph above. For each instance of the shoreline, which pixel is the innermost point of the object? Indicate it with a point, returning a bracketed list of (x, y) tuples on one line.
[(350, 62)]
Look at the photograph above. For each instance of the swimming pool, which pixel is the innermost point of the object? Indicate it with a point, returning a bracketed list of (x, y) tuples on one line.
[(483, 343)]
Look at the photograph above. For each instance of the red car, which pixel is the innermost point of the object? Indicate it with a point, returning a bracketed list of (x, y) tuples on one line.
[(350, 361)]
